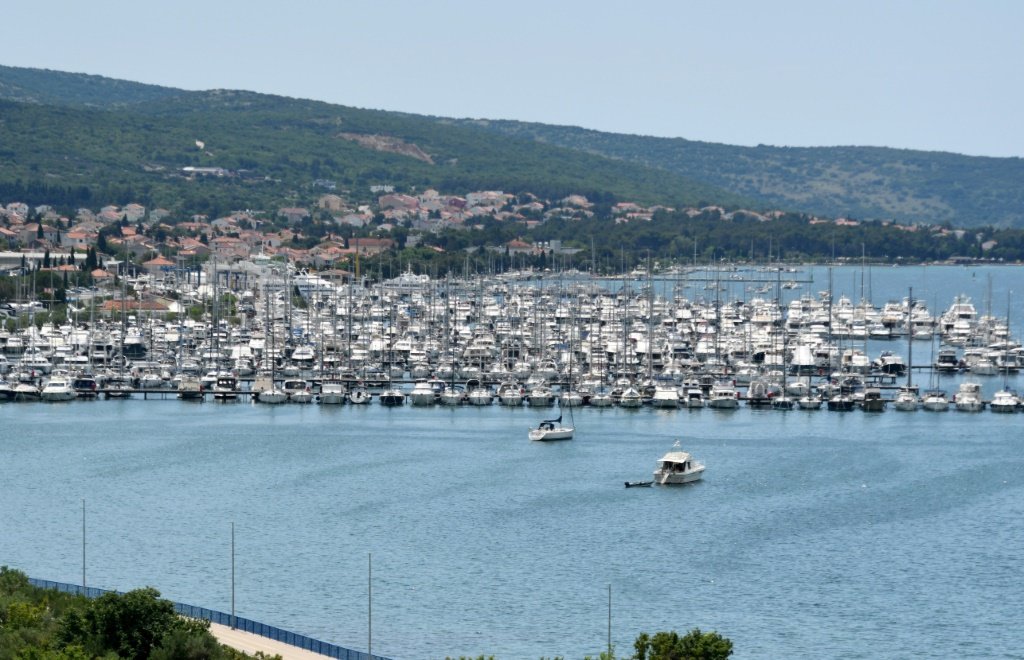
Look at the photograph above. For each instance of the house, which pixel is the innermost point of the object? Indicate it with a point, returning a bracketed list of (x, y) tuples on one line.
[(134, 212), (158, 266), (30, 232), (331, 203), (516, 246), (293, 214), (78, 239), (398, 201), (370, 246)]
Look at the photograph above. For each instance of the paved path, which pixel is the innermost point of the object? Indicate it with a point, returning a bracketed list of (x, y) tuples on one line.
[(250, 643)]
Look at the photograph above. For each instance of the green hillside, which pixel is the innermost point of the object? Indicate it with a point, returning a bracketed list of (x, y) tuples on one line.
[(860, 182), (86, 140)]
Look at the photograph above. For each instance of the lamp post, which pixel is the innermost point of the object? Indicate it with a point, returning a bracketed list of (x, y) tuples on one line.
[(369, 605), (83, 544), (232, 575)]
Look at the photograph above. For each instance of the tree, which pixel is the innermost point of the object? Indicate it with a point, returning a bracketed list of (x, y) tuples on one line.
[(131, 624), (695, 645)]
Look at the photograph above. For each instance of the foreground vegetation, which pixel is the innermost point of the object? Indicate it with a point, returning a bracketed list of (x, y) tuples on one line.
[(37, 624)]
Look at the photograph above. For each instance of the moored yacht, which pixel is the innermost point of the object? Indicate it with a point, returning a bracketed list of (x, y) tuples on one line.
[(968, 397), (935, 400), (58, 388), (1005, 401), (907, 399)]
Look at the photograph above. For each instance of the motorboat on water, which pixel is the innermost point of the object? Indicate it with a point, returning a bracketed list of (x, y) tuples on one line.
[(678, 467), (1005, 401), (359, 395), (873, 401), (190, 388), (907, 399), (58, 388), (723, 396), (332, 392), (552, 429), (422, 393), (968, 397), (935, 401)]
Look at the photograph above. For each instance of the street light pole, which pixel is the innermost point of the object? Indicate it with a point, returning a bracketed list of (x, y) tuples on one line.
[(609, 622), (83, 544), (369, 605), (232, 575)]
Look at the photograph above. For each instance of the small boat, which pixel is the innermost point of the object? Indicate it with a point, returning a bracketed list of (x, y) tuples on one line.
[(639, 484), (678, 467), (552, 429)]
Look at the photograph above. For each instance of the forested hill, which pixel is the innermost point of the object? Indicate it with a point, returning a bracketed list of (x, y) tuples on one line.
[(859, 182), (78, 140)]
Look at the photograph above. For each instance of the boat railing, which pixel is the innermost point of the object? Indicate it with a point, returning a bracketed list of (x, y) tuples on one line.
[(225, 619)]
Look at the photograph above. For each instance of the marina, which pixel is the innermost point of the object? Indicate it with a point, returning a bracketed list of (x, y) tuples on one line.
[(687, 339), (813, 533)]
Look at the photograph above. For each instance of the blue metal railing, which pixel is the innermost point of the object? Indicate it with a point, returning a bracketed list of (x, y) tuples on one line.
[(240, 623)]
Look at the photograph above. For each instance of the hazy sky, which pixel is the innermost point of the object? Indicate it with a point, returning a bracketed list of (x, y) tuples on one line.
[(936, 75)]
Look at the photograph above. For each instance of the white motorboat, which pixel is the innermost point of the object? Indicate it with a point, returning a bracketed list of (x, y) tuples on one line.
[(332, 392), (935, 401), (422, 393), (359, 395), (226, 387), (190, 388), (480, 395), (264, 390), (906, 399), (392, 396), (723, 396), (552, 429), (298, 390), (510, 394), (601, 399), (968, 397), (58, 388), (809, 401), (665, 396), (631, 398), (1005, 401), (541, 396), (452, 396), (678, 467)]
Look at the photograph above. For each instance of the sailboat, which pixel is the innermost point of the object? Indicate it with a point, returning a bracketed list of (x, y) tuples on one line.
[(934, 398), (1005, 400), (906, 399), (553, 429)]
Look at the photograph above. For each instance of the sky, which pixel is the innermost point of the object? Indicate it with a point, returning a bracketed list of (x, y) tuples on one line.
[(936, 75)]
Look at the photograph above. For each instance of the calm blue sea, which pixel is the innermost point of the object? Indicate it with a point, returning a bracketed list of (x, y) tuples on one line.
[(813, 534)]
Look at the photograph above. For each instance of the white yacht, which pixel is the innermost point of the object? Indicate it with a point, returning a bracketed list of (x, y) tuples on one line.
[(968, 397), (298, 390), (935, 401), (422, 393), (631, 398), (665, 396), (1005, 401), (678, 467), (723, 396), (58, 388), (266, 391), (332, 392), (907, 399), (510, 394)]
